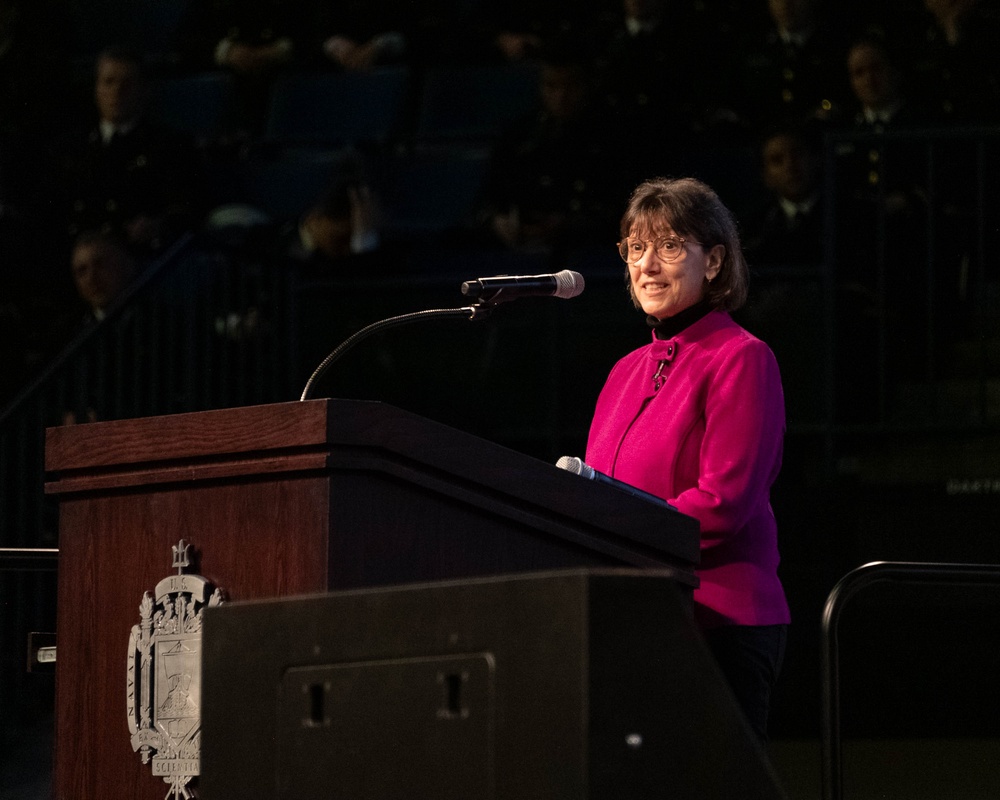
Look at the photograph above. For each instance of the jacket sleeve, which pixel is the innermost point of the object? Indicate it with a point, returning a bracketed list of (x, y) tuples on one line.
[(740, 453)]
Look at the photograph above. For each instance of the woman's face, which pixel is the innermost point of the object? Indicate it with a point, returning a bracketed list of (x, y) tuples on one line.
[(664, 288)]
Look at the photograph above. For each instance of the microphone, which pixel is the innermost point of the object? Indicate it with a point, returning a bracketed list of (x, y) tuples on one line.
[(577, 467), (503, 288)]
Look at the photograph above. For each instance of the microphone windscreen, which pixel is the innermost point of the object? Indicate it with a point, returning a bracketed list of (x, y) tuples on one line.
[(568, 284), (571, 464)]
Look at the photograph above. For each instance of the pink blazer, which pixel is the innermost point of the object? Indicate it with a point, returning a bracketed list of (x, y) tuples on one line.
[(699, 420)]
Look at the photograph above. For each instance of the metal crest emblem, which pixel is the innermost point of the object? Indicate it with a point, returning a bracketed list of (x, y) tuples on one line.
[(164, 675)]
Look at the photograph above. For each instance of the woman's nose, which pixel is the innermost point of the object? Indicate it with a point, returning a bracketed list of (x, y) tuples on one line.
[(647, 262)]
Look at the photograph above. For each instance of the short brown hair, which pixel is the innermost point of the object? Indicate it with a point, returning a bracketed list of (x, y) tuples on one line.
[(692, 210)]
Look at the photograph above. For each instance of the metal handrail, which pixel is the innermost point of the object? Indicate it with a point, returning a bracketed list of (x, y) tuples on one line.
[(29, 558), (847, 588)]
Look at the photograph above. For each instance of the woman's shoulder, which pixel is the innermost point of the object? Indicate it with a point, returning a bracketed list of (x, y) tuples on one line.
[(719, 335), (718, 327)]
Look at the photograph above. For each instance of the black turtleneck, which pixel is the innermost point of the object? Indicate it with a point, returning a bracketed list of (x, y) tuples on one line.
[(669, 327)]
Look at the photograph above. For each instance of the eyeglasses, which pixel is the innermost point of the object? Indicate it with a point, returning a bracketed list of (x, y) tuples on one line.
[(668, 248)]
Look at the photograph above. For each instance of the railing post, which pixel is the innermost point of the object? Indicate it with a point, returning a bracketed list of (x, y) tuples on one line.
[(846, 588)]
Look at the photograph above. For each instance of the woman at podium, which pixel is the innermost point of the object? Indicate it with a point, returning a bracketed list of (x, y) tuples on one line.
[(697, 417)]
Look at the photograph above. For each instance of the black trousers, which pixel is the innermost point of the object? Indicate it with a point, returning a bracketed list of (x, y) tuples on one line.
[(750, 658)]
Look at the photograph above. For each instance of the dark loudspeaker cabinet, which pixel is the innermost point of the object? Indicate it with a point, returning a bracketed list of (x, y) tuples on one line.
[(562, 685)]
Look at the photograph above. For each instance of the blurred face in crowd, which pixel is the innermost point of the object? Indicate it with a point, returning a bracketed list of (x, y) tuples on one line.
[(331, 234), (793, 15), (788, 167), (874, 80), (118, 90), (102, 270), (644, 10), (944, 9), (563, 89)]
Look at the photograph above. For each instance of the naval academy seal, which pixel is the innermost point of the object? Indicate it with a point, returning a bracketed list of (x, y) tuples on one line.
[(164, 675)]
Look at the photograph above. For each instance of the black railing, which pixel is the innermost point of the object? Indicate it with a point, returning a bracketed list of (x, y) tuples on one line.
[(919, 244), (29, 559), (846, 589)]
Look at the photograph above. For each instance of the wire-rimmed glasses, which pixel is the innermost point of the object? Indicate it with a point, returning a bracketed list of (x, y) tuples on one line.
[(668, 248)]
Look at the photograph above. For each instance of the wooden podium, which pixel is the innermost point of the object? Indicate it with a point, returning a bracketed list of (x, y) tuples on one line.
[(289, 499)]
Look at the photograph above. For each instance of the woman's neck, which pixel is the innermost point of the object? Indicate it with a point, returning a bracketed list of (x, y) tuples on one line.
[(669, 327)]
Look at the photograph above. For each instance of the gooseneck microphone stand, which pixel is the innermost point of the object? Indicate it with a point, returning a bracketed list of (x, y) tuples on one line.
[(474, 312)]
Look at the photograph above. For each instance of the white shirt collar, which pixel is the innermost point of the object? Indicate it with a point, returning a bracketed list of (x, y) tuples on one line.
[(109, 129), (796, 38), (636, 26), (883, 115), (792, 208)]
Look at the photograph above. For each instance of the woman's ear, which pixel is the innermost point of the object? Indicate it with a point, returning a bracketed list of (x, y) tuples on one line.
[(714, 262)]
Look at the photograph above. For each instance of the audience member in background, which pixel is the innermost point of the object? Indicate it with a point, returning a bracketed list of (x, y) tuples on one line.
[(553, 177), (126, 173), (795, 70), (878, 86), (637, 80), (336, 237), (785, 249), (880, 103), (336, 240), (103, 268), (520, 30), (340, 225), (955, 60), (358, 35), (788, 232), (253, 40), (882, 198), (667, 67)]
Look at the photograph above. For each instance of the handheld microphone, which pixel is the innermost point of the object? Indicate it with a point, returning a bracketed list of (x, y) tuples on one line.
[(577, 467), (503, 288)]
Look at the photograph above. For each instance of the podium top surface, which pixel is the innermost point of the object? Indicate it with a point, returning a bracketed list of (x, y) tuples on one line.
[(329, 435)]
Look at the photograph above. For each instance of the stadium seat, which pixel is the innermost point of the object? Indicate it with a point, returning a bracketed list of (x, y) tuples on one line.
[(474, 102), (339, 108), (197, 105), (428, 193)]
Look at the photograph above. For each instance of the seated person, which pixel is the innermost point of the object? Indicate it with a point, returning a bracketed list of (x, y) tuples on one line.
[(880, 103), (954, 61), (522, 30), (788, 231), (553, 175), (125, 172), (358, 35), (102, 269), (794, 70), (253, 40), (341, 223)]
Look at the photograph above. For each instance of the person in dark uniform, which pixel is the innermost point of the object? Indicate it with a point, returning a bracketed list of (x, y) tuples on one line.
[(252, 40), (788, 231), (125, 173), (796, 70), (554, 174)]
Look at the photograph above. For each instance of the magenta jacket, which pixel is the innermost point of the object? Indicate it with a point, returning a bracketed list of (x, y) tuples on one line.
[(699, 420)]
